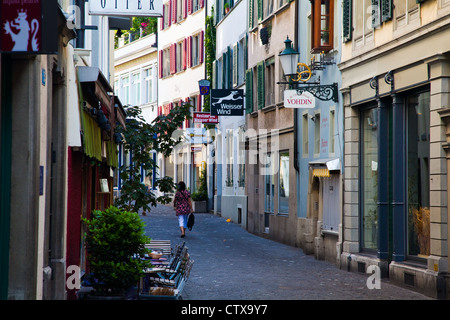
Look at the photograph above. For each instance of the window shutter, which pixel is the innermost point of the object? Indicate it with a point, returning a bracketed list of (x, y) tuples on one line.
[(260, 75), (189, 6), (229, 68), (224, 68), (202, 3), (169, 13), (161, 24), (235, 65), (260, 10), (386, 10), (376, 19), (174, 11), (249, 91), (189, 52), (184, 57), (173, 58), (347, 26), (250, 14), (160, 64), (202, 48), (246, 51)]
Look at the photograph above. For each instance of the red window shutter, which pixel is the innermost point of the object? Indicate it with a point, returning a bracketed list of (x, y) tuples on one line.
[(189, 6), (160, 64), (202, 49), (202, 3), (188, 52), (161, 22), (173, 60), (174, 11), (185, 11), (169, 13), (184, 53)]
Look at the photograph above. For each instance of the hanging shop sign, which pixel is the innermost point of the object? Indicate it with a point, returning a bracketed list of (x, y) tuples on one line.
[(205, 118), (227, 102), (128, 8), (23, 22), (204, 87), (305, 100)]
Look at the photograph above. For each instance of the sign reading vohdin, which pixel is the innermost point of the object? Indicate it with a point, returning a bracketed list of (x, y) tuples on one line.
[(130, 8), (294, 100)]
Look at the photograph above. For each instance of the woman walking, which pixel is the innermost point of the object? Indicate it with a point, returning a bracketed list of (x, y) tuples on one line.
[(183, 206)]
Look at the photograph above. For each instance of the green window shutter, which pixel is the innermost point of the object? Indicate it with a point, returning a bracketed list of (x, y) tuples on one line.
[(224, 72), (260, 10), (245, 52), (250, 14), (376, 10), (347, 25), (235, 65), (386, 10), (229, 68), (260, 89), (249, 91)]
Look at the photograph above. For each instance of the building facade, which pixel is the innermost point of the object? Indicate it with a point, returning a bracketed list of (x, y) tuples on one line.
[(395, 69), (180, 66)]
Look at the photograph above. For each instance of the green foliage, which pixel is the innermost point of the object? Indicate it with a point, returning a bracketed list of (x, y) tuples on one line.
[(162, 135), (202, 193), (210, 54), (115, 240)]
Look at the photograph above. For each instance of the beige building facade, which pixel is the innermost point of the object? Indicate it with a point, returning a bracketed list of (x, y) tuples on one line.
[(395, 68)]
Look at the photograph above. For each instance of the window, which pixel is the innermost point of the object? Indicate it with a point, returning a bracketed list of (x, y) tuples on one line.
[(322, 14), (135, 88), (282, 3), (269, 84), (166, 62), (283, 183), (241, 155), (166, 16), (369, 187), (332, 133), (269, 183), (418, 174), (316, 134), (406, 11), (305, 136), (148, 85), (197, 49), (181, 10), (267, 8), (116, 87), (179, 57), (125, 90), (229, 157)]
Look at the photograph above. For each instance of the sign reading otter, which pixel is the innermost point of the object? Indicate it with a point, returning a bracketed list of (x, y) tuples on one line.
[(227, 102), (22, 24), (130, 8)]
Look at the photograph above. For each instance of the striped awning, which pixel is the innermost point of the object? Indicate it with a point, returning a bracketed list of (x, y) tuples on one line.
[(321, 172)]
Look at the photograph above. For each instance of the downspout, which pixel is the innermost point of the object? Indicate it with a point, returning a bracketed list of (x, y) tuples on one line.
[(296, 166)]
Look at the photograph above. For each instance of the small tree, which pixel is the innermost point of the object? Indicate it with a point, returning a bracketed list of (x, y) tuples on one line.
[(202, 193), (140, 139)]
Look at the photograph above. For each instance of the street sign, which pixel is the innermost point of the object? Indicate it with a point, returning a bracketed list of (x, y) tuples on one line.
[(128, 8), (227, 102), (205, 118), (294, 100)]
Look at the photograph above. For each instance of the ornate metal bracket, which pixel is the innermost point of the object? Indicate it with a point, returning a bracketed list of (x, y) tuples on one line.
[(325, 92)]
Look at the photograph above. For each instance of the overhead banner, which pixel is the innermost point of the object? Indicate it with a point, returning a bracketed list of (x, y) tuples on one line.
[(24, 22), (303, 101), (129, 8), (225, 102)]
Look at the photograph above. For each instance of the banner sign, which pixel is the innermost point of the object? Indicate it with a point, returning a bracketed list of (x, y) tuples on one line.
[(129, 8), (205, 118), (24, 22), (227, 102), (294, 100)]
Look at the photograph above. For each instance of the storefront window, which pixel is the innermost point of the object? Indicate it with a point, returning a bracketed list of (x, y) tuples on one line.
[(269, 183), (283, 186), (418, 154), (369, 179)]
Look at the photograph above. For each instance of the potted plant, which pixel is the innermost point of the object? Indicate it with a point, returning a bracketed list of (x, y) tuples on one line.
[(227, 7), (200, 197), (115, 241)]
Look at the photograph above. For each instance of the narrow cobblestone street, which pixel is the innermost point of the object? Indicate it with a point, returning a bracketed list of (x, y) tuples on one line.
[(232, 264)]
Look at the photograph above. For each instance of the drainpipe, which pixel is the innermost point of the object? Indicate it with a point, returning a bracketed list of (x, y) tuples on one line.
[(296, 166)]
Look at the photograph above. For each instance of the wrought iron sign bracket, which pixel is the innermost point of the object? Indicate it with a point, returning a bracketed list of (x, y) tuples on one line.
[(325, 92)]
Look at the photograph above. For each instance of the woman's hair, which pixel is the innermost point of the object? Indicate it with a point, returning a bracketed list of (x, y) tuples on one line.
[(181, 186)]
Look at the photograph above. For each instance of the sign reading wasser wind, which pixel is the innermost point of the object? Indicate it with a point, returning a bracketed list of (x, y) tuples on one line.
[(131, 8), (227, 102)]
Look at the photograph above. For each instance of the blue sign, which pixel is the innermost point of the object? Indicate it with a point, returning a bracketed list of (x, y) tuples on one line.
[(204, 87)]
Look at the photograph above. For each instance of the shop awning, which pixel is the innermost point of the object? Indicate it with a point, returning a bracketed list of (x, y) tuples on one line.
[(322, 167)]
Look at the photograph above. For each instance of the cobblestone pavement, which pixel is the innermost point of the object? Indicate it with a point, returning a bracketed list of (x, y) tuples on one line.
[(233, 264)]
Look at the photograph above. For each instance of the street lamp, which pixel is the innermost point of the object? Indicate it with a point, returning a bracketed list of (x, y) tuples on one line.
[(289, 58)]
